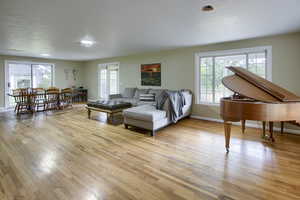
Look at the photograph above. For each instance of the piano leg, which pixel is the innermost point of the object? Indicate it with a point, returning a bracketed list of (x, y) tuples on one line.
[(271, 124), (243, 125), (227, 128), (264, 129), (281, 127)]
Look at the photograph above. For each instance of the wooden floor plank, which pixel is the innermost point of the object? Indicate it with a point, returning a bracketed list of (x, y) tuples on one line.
[(63, 155)]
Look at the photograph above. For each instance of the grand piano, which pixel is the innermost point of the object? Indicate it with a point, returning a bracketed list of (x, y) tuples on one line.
[(258, 99)]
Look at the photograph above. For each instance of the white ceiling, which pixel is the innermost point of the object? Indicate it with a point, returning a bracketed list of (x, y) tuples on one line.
[(123, 27)]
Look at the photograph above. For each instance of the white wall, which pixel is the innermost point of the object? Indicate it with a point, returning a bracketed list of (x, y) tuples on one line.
[(178, 67)]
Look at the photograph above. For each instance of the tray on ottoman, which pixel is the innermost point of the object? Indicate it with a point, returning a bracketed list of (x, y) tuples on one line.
[(110, 107)]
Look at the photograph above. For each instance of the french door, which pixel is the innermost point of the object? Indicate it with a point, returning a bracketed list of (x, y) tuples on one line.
[(26, 75), (108, 79)]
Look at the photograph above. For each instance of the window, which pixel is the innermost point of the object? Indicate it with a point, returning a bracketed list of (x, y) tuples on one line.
[(27, 75), (108, 79), (210, 68)]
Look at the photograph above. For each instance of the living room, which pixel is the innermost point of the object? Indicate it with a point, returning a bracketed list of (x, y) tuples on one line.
[(170, 121)]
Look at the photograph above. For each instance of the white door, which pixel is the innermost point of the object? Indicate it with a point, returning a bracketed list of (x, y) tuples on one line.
[(26, 75), (18, 75), (108, 80)]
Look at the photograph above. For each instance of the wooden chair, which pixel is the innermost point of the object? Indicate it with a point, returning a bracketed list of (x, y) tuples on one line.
[(66, 97), (23, 101), (75, 95), (52, 99), (39, 95), (79, 95), (17, 97), (83, 95)]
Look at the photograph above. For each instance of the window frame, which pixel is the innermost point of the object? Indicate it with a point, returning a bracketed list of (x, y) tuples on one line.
[(231, 52), (104, 66)]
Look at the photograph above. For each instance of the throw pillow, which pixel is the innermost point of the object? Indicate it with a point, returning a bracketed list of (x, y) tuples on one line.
[(140, 91), (147, 97)]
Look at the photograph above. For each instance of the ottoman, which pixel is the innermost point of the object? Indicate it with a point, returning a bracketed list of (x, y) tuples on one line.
[(110, 107), (146, 117)]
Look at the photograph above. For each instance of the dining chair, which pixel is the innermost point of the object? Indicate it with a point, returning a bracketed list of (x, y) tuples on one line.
[(52, 98), (66, 97), (23, 100), (39, 95), (83, 95), (17, 97)]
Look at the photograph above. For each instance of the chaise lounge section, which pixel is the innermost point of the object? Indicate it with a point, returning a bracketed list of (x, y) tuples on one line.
[(145, 115)]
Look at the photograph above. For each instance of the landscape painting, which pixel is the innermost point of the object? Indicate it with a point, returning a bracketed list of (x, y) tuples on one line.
[(151, 74)]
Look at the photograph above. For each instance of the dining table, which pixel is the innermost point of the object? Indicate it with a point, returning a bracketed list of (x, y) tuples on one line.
[(32, 97)]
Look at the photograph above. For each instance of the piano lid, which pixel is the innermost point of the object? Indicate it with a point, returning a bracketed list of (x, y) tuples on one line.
[(252, 86)]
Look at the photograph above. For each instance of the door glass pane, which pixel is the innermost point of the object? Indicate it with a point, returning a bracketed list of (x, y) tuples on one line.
[(113, 79), (42, 76), (19, 76), (103, 83), (109, 83)]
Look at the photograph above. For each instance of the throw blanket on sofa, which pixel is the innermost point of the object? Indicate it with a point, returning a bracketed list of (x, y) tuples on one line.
[(177, 102)]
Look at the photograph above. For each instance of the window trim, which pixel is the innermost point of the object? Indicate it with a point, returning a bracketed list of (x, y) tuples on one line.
[(199, 55), (101, 66)]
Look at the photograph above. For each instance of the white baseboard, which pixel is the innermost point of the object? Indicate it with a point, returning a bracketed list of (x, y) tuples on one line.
[(248, 124)]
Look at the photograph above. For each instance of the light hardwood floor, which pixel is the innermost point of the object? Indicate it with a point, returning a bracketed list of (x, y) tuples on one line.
[(64, 155)]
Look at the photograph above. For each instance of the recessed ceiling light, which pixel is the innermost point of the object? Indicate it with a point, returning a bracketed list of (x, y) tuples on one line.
[(45, 54), (208, 8), (87, 43)]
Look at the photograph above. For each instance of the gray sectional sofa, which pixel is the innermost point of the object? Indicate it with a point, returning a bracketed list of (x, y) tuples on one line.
[(144, 114)]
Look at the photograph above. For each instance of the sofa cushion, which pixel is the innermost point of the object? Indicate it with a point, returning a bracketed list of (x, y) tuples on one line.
[(145, 113), (147, 97), (128, 92), (140, 91)]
